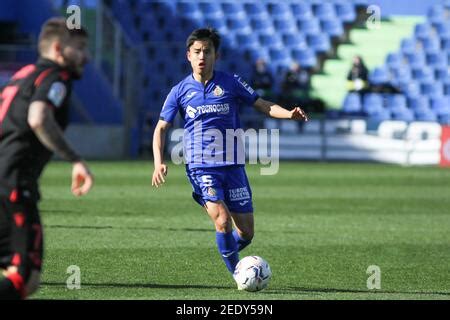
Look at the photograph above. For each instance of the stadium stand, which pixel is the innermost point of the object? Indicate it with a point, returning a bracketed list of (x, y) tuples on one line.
[(419, 70)]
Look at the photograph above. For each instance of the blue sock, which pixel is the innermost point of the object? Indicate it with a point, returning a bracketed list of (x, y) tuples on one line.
[(242, 243), (228, 249)]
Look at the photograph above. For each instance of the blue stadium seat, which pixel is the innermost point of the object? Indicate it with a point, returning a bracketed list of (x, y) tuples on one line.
[(437, 59), (380, 115), (333, 27), (440, 105), (436, 14), (352, 103), (280, 55), (294, 40), (396, 101), (325, 11), (271, 41), (418, 103), (416, 59), (285, 25), (233, 9), (394, 60), (410, 89), (402, 115), (305, 57), (238, 24), (309, 26), (247, 40), (254, 54), (432, 88), (441, 72), (217, 23), (320, 43), (425, 115), (372, 103), (408, 45), (188, 9), (262, 26), (431, 45), (379, 76), (443, 29), (302, 10), (423, 31), (345, 11), (423, 74), (256, 10), (211, 9), (279, 10)]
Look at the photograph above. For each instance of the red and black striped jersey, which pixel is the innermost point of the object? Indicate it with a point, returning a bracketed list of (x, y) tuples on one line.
[(22, 155)]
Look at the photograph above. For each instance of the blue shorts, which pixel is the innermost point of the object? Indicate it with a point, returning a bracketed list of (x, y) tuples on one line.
[(229, 184)]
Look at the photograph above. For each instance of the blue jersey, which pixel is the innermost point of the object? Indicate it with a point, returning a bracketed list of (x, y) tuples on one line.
[(209, 112)]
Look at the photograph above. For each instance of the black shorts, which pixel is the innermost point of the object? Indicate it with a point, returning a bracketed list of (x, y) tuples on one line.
[(21, 241)]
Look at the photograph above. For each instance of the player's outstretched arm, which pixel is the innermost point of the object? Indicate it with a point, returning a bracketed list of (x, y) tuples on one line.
[(276, 111), (42, 121), (159, 138)]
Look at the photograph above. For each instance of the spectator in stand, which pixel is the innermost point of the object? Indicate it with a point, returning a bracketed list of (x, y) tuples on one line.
[(358, 76)]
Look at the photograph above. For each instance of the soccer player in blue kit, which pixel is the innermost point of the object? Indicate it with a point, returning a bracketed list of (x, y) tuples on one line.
[(210, 100)]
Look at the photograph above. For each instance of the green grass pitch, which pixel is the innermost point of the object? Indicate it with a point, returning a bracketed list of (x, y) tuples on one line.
[(319, 225)]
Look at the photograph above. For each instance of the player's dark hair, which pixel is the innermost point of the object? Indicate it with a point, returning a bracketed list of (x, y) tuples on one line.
[(56, 29), (204, 34)]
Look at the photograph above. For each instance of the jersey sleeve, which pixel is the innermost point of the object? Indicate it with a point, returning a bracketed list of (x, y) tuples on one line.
[(170, 107), (51, 88), (244, 92)]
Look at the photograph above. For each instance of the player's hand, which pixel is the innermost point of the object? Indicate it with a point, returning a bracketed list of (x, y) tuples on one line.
[(158, 175), (82, 179), (298, 114)]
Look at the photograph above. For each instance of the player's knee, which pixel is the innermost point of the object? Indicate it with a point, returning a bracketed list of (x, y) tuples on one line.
[(224, 223), (33, 282)]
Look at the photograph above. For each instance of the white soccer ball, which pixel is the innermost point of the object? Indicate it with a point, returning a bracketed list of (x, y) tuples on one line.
[(252, 273)]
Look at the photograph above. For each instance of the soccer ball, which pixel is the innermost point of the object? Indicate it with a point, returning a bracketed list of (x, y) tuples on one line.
[(252, 273)]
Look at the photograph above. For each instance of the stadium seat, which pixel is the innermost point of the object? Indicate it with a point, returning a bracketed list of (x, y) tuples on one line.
[(305, 57), (379, 76), (372, 103), (188, 9), (302, 10), (256, 10), (436, 14), (262, 26), (211, 10), (423, 31), (320, 43), (294, 40), (432, 89), (247, 40), (325, 11), (285, 25), (279, 9), (238, 24), (219, 24), (352, 103), (402, 114), (333, 27), (345, 11), (271, 41), (233, 9), (309, 26), (396, 101), (408, 45)]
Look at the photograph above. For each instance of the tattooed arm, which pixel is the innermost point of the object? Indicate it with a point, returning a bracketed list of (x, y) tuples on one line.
[(47, 130)]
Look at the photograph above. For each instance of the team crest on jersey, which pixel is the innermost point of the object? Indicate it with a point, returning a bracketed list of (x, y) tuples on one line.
[(211, 192), (57, 93), (218, 91)]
